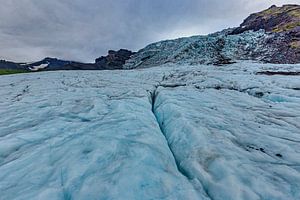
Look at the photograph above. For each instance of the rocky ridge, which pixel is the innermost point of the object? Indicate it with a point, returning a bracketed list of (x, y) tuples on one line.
[(114, 60)]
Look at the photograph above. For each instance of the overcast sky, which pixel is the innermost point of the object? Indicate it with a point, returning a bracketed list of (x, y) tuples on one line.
[(82, 30)]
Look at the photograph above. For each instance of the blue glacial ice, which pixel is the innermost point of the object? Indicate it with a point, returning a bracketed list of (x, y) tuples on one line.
[(168, 132)]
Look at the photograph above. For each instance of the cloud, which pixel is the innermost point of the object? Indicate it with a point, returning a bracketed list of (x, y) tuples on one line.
[(85, 29)]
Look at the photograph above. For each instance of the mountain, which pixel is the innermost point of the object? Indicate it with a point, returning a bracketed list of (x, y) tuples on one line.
[(270, 36), (48, 64), (275, 19), (114, 60), (282, 22), (52, 64), (11, 65), (188, 129)]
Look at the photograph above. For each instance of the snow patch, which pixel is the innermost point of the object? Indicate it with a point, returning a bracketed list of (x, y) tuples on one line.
[(39, 67)]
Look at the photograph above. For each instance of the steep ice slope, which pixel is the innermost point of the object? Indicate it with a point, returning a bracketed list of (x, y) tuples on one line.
[(270, 36), (171, 132), (218, 48)]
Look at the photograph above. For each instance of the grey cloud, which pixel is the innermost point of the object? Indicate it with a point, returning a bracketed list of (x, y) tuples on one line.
[(85, 29)]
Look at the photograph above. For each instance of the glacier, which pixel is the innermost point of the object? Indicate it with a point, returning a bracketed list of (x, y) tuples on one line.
[(218, 48), (169, 132)]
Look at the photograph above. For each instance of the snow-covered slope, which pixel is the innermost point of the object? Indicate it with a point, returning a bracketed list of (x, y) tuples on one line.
[(170, 132)]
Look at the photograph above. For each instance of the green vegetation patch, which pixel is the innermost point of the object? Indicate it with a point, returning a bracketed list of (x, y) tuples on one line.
[(295, 44), (270, 12), (286, 27), (295, 13), (12, 71), (289, 10)]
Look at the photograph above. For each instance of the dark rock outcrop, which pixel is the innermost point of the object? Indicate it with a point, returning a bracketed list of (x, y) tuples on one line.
[(114, 59)]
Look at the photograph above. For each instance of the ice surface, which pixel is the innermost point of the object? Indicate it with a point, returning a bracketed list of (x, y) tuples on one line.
[(171, 132)]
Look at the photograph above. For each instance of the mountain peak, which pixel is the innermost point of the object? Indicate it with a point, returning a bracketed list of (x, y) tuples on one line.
[(275, 19)]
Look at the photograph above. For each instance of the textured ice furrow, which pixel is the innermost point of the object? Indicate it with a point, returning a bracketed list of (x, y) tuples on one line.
[(85, 142), (154, 94), (225, 133), (229, 166)]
